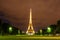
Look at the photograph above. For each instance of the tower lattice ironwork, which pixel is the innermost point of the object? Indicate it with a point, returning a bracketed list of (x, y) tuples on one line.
[(30, 30)]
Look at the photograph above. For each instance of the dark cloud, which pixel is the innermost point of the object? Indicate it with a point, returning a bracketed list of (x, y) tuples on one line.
[(45, 12)]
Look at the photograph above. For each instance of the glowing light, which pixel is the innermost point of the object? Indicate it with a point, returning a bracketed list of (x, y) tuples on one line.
[(48, 29), (41, 31), (18, 31), (10, 29)]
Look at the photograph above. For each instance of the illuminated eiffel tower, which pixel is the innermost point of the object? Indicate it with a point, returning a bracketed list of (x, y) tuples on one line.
[(30, 30)]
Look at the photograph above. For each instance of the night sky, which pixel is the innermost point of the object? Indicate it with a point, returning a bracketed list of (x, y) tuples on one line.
[(45, 12)]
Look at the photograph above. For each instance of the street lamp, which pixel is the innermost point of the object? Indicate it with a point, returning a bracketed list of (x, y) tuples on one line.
[(10, 29), (48, 29), (18, 31), (41, 32)]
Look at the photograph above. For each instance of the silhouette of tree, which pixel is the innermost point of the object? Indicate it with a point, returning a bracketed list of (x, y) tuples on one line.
[(53, 28), (58, 23), (58, 27), (5, 27), (0, 22)]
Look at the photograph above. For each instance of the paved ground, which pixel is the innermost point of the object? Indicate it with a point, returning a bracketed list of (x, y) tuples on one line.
[(25, 37)]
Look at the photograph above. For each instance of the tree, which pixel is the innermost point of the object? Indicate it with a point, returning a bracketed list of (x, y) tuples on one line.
[(15, 30), (0, 22), (0, 26), (4, 28), (53, 29), (58, 23), (58, 27), (44, 31)]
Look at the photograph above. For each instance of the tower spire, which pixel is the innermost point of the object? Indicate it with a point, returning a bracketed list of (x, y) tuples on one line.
[(30, 30), (30, 15)]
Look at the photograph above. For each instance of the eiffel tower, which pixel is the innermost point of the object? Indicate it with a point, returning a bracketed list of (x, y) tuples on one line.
[(30, 30)]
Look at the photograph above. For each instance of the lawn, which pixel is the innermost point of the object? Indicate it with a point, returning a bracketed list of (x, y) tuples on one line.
[(28, 37)]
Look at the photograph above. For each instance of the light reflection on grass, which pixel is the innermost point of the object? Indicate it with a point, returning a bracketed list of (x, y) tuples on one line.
[(28, 37)]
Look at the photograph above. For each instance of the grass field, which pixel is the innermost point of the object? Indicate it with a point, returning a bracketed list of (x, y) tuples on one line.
[(26, 37)]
